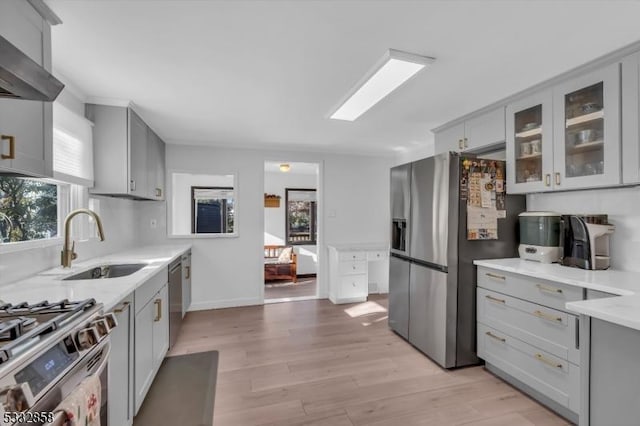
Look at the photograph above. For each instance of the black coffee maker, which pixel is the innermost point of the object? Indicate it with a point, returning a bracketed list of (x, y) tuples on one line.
[(584, 241)]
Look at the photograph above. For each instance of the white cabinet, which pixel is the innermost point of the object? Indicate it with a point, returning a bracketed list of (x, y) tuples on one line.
[(530, 144), (631, 119), (526, 335), (26, 127), (349, 271), (151, 332), (186, 282), (568, 136), (587, 130), (129, 156), (476, 132), (121, 379)]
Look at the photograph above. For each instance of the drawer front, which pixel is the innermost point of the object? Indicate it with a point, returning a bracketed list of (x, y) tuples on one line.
[(556, 378), (353, 286), (146, 291), (344, 256), (353, 268), (376, 255), (543, 292), (549, 329)]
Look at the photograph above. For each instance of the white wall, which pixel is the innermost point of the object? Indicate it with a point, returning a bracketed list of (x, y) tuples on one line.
[(229, 271), (415, 152), (621, 204), (274, 218)]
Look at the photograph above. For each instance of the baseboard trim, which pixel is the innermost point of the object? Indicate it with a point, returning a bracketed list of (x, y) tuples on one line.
[(227, 303)]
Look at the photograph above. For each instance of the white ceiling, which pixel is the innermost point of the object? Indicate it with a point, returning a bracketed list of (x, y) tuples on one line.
[(265, 74)]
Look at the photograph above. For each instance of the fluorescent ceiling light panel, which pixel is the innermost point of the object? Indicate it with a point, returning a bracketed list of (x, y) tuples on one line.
[(394, 69)]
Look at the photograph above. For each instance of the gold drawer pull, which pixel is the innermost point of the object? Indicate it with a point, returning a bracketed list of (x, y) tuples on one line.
[(121, 308), (498, 277), (495, 299), (544, 360), (549, 289), (12, 147), (547, 317), (493, 336)]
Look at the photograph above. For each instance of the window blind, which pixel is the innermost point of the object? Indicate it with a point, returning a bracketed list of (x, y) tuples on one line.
[(72, 147)]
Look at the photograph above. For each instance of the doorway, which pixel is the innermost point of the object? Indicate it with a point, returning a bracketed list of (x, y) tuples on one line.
[(291, 222)]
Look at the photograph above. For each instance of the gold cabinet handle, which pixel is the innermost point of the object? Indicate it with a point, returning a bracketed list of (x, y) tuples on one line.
[(121, 308), (158, 303), (544, 360), (547, 179), (188, 275), (493, 336), (498, 277), (495, 299), (547, 317), (158, 192), (466, 145), (549, 289), (12, 147), (557, 178)]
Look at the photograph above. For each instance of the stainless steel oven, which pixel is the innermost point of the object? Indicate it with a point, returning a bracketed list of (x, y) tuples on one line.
[(47, 350)]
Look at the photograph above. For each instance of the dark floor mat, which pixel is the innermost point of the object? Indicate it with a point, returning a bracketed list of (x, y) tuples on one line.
[(182, 393)]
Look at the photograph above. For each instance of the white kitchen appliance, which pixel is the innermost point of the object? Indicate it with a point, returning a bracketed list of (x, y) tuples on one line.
[(540, 236)]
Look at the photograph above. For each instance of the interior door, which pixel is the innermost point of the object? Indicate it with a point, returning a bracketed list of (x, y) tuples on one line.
[(428, 313), (399, 296)]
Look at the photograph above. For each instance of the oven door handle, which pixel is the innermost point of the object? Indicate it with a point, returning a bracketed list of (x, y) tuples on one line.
[(105, 360), (59, 419)]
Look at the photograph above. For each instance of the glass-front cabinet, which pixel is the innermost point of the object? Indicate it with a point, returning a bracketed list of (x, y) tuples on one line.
[(566, 137), (530, 144), (587, 130)]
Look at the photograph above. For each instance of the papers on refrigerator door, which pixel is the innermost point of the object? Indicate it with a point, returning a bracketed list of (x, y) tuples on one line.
[(482, 224)]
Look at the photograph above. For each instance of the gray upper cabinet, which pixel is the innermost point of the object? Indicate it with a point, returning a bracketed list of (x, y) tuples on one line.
[(631, 119), (155, 167), (128, 155), (26, 127), (474, 133)]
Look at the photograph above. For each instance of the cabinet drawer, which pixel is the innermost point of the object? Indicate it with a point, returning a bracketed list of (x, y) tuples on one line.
[(146, 291), (352, 268), (376, 255), (555, 378), (351, 255), (354, 286), (549, 329), (546, 293)]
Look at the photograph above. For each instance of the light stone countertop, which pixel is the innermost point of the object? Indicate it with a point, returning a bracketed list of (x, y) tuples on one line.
[(623, 309), (48, 285), (359, 246)]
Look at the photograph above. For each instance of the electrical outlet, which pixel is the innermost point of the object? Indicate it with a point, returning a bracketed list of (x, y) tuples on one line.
[(153, 223)]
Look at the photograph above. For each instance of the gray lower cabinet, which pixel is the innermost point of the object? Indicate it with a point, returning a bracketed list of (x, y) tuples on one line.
[(121, 365), (525, 336), (151, 332), (186, 282), (614, 375)]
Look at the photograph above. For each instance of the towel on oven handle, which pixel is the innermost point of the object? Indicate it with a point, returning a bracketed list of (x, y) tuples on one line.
[(82, 406)]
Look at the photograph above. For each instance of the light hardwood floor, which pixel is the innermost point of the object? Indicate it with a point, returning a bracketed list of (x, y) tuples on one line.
[(315, 363), (305, 287)]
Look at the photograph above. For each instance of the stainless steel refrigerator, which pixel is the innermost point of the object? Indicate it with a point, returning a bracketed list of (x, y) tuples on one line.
[(432, 279)]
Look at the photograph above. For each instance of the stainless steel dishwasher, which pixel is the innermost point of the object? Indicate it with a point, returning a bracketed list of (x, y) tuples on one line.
[(175, 300)]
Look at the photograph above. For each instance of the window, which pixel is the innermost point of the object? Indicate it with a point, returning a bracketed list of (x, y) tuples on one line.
[(28, 209), (301, 220), (212, 210)]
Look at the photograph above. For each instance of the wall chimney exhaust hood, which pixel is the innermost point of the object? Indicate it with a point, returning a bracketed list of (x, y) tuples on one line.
[(23, 78)]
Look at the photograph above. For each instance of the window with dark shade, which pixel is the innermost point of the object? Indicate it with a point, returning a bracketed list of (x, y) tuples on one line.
[(301, 217)]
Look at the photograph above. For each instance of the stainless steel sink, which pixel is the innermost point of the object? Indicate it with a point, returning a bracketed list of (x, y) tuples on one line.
[(107, 271)]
